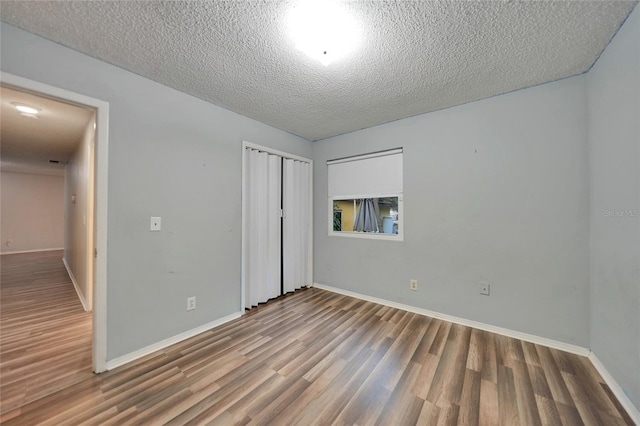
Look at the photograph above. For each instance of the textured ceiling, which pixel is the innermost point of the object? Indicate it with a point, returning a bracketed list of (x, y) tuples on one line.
[(28, 143), (413, 56)]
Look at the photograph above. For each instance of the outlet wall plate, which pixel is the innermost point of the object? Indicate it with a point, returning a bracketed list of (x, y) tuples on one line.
[(485, 289), (413, 285), (155, 223)]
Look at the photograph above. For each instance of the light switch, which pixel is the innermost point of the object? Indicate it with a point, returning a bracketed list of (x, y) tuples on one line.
[(155, 223)]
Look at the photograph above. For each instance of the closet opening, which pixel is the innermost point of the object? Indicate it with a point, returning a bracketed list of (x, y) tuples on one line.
[(276, 224)]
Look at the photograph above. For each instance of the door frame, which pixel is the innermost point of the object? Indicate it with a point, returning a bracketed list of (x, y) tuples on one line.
[(101, 159), (283, 154)]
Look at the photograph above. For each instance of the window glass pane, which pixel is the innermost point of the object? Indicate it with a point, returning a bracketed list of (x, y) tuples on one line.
[(367, 215)]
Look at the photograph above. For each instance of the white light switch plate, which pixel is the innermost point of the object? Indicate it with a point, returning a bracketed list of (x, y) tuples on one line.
[(155, 223), (191, 303)]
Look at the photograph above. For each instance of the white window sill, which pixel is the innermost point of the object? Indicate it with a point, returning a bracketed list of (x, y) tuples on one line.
[(368, 235)]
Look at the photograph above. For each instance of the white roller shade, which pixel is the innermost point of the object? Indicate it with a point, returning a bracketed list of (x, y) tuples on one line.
[(370, 174)]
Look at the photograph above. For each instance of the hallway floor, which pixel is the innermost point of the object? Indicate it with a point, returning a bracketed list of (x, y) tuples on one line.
[(45, 334)]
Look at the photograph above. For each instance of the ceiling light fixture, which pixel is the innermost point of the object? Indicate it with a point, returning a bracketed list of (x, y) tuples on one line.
[(322, 29), (26, 109)]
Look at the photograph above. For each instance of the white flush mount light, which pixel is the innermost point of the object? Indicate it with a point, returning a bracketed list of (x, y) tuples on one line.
[(322, 29), (26, 108)]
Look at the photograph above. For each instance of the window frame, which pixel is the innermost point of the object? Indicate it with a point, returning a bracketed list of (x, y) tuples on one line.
[(368, 235)]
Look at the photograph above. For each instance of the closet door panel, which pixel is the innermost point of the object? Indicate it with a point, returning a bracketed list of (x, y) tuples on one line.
[(262, 237), (296, 230)]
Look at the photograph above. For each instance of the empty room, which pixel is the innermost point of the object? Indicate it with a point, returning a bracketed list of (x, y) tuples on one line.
[(321, 212)]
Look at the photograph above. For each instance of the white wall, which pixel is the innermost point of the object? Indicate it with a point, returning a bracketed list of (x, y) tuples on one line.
[(495, 190), (78, 217), (32, 212), (614, 146), (170, 155)]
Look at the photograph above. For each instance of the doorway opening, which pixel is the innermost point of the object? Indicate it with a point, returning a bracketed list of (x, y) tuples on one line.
[(93, 216)]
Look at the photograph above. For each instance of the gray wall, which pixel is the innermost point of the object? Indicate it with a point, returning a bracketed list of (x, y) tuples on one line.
[(494, 190), (614, 144), (32, 212), (170, 155)]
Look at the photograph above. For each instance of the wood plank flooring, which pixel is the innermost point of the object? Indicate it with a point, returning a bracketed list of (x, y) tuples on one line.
[(319, 358), (45, 334)]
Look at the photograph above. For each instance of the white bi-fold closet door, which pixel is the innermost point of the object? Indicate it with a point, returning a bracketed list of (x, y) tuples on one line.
[(277, 224)]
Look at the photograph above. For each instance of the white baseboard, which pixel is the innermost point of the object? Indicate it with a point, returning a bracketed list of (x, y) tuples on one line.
[(32, 251), (617, 390), (124, 359), (567, 347), (75, 285)]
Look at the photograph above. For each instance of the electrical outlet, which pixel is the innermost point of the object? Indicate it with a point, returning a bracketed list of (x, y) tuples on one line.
[(155, 224), (413, 285), (485, 289), (191, 303)]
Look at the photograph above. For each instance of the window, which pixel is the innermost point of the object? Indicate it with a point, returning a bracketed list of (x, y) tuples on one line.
[(365, 196)]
